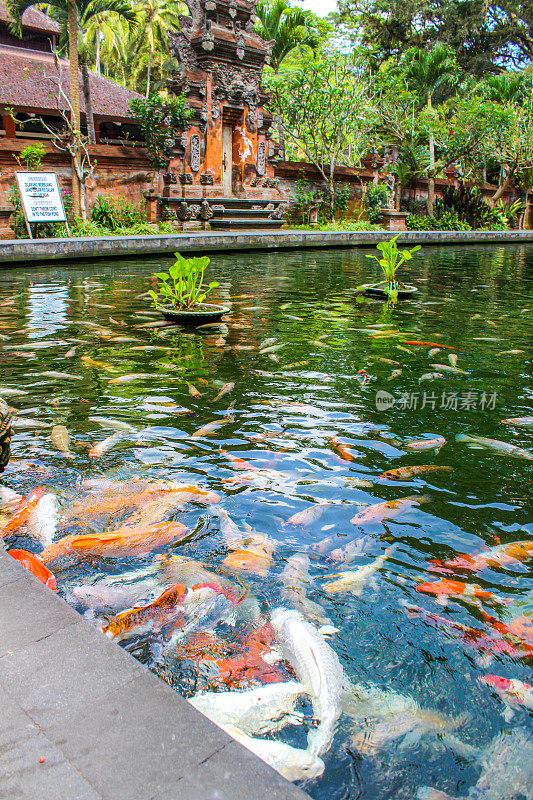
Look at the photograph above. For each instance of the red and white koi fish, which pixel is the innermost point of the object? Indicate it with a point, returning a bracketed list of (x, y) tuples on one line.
[(503, 555), (105, 445), (513, 692), (444, 589), (22, 511)]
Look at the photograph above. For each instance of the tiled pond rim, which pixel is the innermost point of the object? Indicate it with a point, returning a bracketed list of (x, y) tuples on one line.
[(81, 719), (17, 250)]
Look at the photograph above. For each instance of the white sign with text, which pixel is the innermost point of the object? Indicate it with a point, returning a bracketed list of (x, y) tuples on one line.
[(41, 198)]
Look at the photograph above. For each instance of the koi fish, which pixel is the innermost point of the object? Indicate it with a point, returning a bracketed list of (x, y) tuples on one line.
[(233, 536), (430, 376), (238, 463), (256, 711), (271, 349), (34, 565), (121, 543), (67, 376), (150, 618), (207, 430), (307, 516), (429, 344), (354, 581), (501, 555), (444, 589), (292, 763), (61, 440), (193, 391), (114, 424), (473, 637), (102, 598), (340, 449), (433, 352), (426, 444), (395, 374), (226, 389), (513, 692), (128, 378), (70, 353), (295, 580), (526, 422), (251, 665), (97, 364), (42, 520), (21, 513), (255, 559), (317, 667), (449, 368), (381, 512), (105, 445), (354, 549), (496, 446), (220, 342), (452, 358), (408, 473), (189, 572)]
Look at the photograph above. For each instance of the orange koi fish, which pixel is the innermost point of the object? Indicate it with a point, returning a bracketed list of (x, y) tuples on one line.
[(381, 512), (255, 559), (444, 589), (408, 473), (430, 344), (122, 543), (502, 555), (149, 618), (34, 565), (238, 463), (340, 449), (22, 511), (250, 666)]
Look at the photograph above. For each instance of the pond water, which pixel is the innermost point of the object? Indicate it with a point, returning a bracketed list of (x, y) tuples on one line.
[(316, 423)]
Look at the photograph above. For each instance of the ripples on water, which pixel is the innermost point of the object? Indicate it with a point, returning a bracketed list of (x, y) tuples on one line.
[(477, 300)]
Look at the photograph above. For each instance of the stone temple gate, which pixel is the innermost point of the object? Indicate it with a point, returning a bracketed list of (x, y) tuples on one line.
[(223, 171)]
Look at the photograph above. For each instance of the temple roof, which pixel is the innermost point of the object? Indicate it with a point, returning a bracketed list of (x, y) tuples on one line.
[(32, 19), (29, 81)]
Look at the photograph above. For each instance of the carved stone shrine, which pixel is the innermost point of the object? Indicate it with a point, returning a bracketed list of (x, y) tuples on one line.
[(225, 162)]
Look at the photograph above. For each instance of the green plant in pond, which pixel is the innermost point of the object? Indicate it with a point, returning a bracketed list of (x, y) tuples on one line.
[(183, 285), (391, 260)]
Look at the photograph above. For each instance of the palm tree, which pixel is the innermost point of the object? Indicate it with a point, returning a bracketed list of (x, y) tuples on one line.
[(427, 72), (413, 161), (288, 27), (156, 19), (89, 12)]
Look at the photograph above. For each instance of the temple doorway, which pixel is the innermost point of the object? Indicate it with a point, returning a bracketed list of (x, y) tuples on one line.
[(227, 159)]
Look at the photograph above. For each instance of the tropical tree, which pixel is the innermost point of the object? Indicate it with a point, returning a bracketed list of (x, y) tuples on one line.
[(288, 27), (326, 105), (428, 72), (156, 19)]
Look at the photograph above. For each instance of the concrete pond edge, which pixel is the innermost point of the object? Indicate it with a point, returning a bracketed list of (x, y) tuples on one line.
[(13, 251)]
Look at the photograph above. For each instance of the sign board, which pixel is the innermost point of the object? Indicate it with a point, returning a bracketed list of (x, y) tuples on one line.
[(41, 198)]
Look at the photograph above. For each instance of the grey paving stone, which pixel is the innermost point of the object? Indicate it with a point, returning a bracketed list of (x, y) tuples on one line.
[(63, 672), (22, 776), (8, 567), (233, 773), (26, 613), (140, 741)]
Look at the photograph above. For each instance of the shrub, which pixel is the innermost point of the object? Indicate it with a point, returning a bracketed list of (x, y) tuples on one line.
[(115, 212), (374, 198), (31, 157), (469, 206), (449, 221)]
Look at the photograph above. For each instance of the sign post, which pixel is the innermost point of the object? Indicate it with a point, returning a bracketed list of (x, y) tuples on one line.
[(41, 198)]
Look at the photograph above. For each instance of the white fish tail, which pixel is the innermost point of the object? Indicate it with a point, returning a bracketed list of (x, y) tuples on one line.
[(42, 523)]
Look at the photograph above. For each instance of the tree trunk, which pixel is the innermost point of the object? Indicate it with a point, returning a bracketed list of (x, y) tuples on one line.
[(281, 137), (74, 95), (431, 186), (88, 103), (502, 188), (149, 71), (97, 58)]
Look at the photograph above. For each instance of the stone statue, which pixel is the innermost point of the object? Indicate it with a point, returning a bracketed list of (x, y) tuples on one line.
[(390, 181)]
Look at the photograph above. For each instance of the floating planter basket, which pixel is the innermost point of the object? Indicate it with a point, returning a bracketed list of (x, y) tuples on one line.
[(199, 315), (405, 291)]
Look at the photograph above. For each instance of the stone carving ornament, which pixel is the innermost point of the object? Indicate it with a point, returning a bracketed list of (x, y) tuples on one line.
[(261, 157), (195, 152), (183, 212)]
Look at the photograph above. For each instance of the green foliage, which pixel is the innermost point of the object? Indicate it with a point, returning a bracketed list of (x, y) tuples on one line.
[(330, 204), (469, 206), (390, 261), (112, 213), (373, 201), (31, 157), (340, 225), (287, 26), (449, 221), (161, 120), (182, 286)]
